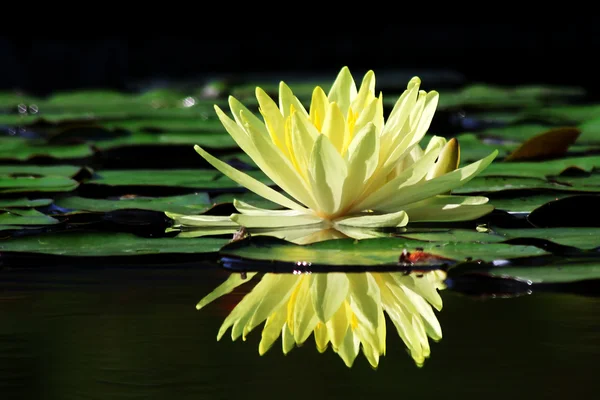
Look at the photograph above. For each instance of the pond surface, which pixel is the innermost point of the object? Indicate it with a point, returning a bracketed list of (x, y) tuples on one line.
[(134, 333)]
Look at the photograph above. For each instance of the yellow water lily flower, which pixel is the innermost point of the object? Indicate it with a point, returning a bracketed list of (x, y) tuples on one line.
[(344, 311), (342, 164)]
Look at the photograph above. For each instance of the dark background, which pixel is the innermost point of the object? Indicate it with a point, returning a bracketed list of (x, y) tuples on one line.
[(507, 54)]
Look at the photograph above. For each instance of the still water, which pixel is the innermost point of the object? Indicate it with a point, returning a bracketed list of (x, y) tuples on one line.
[(113, 333)]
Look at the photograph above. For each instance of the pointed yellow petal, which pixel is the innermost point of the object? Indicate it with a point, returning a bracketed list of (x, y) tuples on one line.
[(372, 114), (321, 337), (349, 348), (302, 143), (273, 118), (448, 209), (287, 339), (337, 326), (363, 156), (274, 221), (237, 108), (365, 302), (304, 315), (202, 220), (448, 160), (366, 93), (278, 166), (224, 288), (318, 107), (272, 330), (343, 90), (287, 99), (248, 182), (334, 126), (406, 178), (328, 292), (327, 172), (280, 291), (442, 184), (392, 220)]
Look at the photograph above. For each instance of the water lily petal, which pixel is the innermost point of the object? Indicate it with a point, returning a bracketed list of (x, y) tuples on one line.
[(238, 108), (391, 220), (279, 293), (439, 185), (446, 209), (448, 160), (303, 140), (328, 292), (334, 126), (273, 118), (365, 94), (202, 220), (327, 172), (321, 337), (287, 339), (343, 90), (337, 327), (287, 100), (224, 288), (272, 330), (249, 182), (349, 348), (274, 220), (280, 167), (318, 108), (304, 316), (432, 326), (365, 302), (411, 176)]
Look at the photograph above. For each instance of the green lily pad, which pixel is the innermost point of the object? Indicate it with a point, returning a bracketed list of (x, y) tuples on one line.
[(17, 216), (24, 203), (518, 133), (526, 203), (206, 139), (187, 178), (473, 148), (247, 197), (168, 125), (571, 114), (490, 96), (562, 271), (583, 238), (196, 203), (9, 184), (372, 251), (15, 148), (108, 244), (40, 170), (534, 169), (497, 183)]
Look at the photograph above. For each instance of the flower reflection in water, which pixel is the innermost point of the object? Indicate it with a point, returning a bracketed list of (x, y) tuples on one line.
[(344, 311)]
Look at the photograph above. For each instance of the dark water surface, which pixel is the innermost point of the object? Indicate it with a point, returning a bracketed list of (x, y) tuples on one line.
[(135, 334)]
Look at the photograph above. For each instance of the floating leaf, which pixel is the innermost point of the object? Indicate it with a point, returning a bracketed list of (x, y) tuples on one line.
[(497, 183), (371, 251), (108, 244), (196, 203), (16, 148), (562, 271), (534, 169), (24, 202), (526, 203), (207, 139), (247, 197), (26, 184), (187, 178), (16, 216), (552, 143), (40, 170)]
